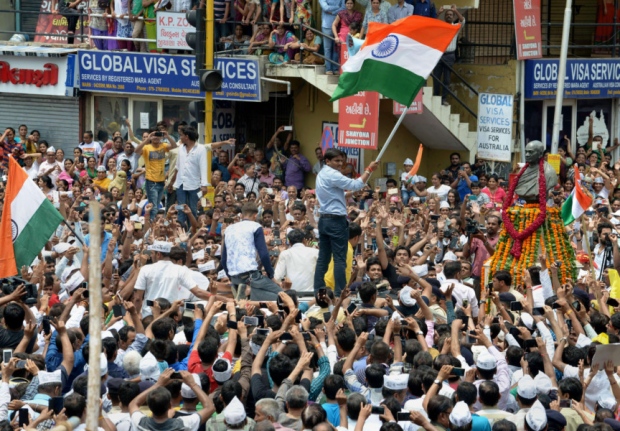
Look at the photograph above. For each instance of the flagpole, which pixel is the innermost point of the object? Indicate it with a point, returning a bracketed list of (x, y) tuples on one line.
[(587, 243), (389, 139), (557, 117)]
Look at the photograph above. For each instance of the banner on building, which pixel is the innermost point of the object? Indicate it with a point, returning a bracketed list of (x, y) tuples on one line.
[(165, 75), (171, 30), (417, 107), (495, 113), (592, 78), (55, 25), (528, 29), (358, 121), (355, 156)]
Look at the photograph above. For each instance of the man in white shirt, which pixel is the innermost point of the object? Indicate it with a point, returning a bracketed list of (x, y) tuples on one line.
[(166, 278), (250, 179), (50, 166), (452, 272), (190, 177), (297, 263), (89, 147)]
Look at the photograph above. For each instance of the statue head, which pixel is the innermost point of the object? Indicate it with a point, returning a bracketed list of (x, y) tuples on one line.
[(534, 151)]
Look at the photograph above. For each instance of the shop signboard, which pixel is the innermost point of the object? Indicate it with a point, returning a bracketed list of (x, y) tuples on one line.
[(358, 121), (417, 107), (165, 75), (585, 78), (495, 112), (528, 29), (171, 30), (43, 76), (354, 155)]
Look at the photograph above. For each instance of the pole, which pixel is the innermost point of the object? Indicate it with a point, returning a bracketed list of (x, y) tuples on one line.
[(94, 317), (72, 231), (392, 133), (522, 111), (209, 54), (561, 77)]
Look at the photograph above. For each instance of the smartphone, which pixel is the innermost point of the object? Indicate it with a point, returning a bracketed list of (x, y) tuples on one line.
[(176, 376), (286, 337), (223, 306), (434, 217), (371, 337), (470, 339), (530, 343), (377, 410), (566, 403), (458, 371), (47, 328), (516, 306), (589, 213), (558, 263), (137, 225), (107, 227), (231, 324), (190, 306), (149, 303), (612, 302), (403, 322), (327, 316), (262, 305), (85, 294), (261, 331), (569, 323), (158, 134), (538, 311), (7, 354), (557, 306), (23, 417), (178, 207), (393, 191), (250, 320), (465, 320), (56, 404), (306, 336), (351, 308), (117, 310), (465, 303), (403, 416), (288, 128), (20, 365)]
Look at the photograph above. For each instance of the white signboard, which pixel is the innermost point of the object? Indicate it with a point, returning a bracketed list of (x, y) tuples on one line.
[(43, 76), (494, 126), (171, 30)]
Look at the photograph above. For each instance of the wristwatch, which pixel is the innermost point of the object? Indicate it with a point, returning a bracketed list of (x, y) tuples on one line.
[(437, 382), (419, 333)]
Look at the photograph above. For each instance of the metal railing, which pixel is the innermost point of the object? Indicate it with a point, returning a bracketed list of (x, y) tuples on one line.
[(451, 93)]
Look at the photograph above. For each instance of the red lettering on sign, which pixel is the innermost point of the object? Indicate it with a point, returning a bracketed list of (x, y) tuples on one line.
[(47, 76)]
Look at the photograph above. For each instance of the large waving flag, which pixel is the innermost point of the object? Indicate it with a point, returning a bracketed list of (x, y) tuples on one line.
[(577, 203), (28, 221), (396, 59)]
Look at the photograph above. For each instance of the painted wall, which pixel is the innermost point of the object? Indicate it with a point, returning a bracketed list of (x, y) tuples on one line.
[(484, 79), (312, 107)]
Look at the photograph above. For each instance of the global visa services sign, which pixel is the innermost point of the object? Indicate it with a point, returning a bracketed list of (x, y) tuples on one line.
[(164, 75)]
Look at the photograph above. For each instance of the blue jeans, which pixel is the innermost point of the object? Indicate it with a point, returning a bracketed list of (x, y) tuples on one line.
[(406, 195), (333, 240), (331, 52), (189, 198), (261, 287), (154, 194)]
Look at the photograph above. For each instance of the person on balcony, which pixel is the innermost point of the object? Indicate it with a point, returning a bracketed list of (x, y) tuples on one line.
[(399, 10), (442, 71), (342, 22), (374, 14), (423, 8), (308, 48), (329, 12)]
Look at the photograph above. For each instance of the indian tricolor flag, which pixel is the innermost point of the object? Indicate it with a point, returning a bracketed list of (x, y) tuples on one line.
[(577, 203), (28, 221), (396, 59)]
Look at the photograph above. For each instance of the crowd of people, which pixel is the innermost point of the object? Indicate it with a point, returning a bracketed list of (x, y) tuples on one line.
[(226, 311)]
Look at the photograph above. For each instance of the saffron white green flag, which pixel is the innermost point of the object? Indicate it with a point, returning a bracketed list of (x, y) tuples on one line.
[(28, 221), (396, 59), (577, 203)]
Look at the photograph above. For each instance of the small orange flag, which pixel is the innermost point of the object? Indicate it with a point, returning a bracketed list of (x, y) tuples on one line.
[(418, 161)]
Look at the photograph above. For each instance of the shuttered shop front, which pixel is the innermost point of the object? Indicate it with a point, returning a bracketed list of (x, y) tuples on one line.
[(56, 118), (37, 89)]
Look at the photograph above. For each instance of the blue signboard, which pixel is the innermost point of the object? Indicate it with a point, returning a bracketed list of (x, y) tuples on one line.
[(164, 75), (585, 79)]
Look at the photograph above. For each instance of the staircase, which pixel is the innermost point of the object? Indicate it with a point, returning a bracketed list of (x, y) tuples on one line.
[(437, 127)]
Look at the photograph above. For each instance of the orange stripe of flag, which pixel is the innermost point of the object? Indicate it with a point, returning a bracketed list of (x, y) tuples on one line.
[(418, 161), (432, 32), (584, 200), (16, 178)]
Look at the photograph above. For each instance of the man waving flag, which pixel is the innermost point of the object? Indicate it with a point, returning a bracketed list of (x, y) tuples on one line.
[(28, 221), (396, 59)]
